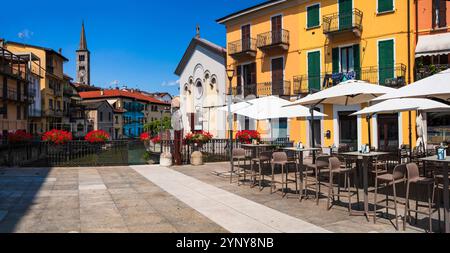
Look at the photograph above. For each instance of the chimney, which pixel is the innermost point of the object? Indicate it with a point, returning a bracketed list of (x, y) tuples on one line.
[(1, 42), (102, 93), (60, 51)]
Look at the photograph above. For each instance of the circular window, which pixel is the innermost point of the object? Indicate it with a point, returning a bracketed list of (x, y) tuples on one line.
[(199, 90)]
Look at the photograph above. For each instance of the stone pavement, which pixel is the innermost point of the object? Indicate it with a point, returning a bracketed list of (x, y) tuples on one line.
[(232, 212), (118, 199)]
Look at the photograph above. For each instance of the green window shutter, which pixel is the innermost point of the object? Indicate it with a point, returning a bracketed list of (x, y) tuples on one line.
[(357, 61), (313, 16), (335, 55), (345, 14), (385, 5), (385, 61), (314, 70)]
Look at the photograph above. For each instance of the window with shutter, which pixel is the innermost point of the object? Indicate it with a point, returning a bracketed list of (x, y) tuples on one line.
[(385, 61), (314, 70), (313, 16), (385, 5)]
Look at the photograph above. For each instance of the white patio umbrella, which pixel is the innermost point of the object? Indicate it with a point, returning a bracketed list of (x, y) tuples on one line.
[(347, 93), (268, 108), (436, 86), (236, 107), (404, 105)]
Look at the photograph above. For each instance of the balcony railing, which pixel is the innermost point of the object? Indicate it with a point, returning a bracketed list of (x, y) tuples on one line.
[(273, 39), (53, 113), (245, 90), (35, 113), (244, 47), (277, 88), (394, 77), (13, 65), (429, 70), (336, 22), (68, 91)]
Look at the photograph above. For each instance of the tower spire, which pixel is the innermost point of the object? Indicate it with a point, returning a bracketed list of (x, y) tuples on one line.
[(83, 43)]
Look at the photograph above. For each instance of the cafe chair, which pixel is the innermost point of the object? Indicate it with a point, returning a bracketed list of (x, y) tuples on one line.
[(439, 188), (414, 179), (385, 181), (311, 176), (338, 168), (258, 175), (239, 155), (281, 159)]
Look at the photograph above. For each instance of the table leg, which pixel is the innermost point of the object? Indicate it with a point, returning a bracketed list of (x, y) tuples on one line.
[(366, 185), (446, 200), (314, 157)]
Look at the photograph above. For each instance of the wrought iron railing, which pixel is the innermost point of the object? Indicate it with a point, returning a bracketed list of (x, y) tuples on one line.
[(245, 90), (337, 22), (394, 76), (53, 113), (272, 38), (429, 70), (242, 46), (275, 88), (12, 64)]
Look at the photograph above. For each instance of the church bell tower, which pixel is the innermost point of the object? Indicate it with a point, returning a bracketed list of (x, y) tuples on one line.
[(83, 60)]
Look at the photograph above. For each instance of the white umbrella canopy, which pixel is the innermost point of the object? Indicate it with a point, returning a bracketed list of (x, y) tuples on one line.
[(347, 93), (267, 108), (236, 107), (403, 105), (437, 86)]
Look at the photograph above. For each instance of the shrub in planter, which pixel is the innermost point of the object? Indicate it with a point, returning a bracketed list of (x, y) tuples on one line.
[(57, 137), (248, 136), (19, 136), (97, 136)]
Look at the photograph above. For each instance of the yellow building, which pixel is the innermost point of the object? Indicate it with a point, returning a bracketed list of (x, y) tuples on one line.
[(51, 84), (293, 47)]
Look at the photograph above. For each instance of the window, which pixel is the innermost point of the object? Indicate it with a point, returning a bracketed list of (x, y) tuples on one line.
[(19, 113), (117, 119), (385, 6), (58, 105), (313, 16), (314, 70), (109, 116), (439, 13), (101, 116), (81, 68), (50, 104), (81, 58), (386, 61)]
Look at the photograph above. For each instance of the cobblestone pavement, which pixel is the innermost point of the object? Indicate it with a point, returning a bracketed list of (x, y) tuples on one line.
[(117, 199)]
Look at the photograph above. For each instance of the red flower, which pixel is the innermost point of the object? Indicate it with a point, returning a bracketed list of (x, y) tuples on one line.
[(145, 136), (247, 136), (198, 137), (97, 136), (57, 136), (19, 136), (156, 139)]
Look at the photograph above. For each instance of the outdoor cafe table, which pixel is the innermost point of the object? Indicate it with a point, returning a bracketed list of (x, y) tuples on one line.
[(300, 153), (446, 191), (256, 147), (366, 159)]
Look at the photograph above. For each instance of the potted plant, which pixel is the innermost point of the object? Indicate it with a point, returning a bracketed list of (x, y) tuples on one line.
[(197, 139), (56, 139), (18, 137), (248, 136), (97, 137)]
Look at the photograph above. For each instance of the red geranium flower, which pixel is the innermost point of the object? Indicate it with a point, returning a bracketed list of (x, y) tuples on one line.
[(97, 136), (19, 136), (247, 136), (57, 136)]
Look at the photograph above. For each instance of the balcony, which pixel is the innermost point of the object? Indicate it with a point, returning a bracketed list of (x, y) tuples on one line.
[(394, 77), (13, 65), (53, 113), (35, 113), (273, 40), (68, 91), (337, 23), (278, 88), (245, 48), (245, 90), (429, 70)]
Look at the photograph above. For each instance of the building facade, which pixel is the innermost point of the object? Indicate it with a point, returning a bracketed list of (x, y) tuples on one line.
[(51, 83), (131, 110), (202, 87), (290, 48), (433, 56), (14, 72), (99, 116)]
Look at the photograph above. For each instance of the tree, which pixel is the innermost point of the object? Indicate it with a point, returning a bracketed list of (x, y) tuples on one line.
[(157, 126)]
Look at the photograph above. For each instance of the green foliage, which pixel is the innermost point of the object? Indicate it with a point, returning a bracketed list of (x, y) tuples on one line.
[(157, 126)]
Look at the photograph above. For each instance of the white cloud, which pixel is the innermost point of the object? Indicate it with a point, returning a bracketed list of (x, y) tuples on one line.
[(170, 83), (25, 34)]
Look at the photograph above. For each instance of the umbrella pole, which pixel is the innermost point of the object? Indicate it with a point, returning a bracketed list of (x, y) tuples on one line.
[(368, 124), (410, 136), (313, 143)]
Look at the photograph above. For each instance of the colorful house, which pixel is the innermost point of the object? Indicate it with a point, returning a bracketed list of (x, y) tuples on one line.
[(291, 48)]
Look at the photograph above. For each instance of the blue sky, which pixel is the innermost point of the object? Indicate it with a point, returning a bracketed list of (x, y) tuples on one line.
[(134, 43)]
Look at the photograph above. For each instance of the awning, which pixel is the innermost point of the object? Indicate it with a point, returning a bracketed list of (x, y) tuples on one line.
[(429, 45)]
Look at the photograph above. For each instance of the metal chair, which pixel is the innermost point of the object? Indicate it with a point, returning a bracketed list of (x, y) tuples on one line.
[(386, 180), (312, 172), (415, 179), (337, 168), (240, 155), (264, 158), (438, 188), (281, 159)]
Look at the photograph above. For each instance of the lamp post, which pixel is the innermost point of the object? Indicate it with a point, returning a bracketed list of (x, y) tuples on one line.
[(230, 75)]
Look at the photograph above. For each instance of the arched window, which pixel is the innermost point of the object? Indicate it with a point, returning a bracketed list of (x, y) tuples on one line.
[(199, 90)]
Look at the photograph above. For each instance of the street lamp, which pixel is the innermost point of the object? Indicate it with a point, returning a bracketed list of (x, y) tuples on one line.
[(230, 75)]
